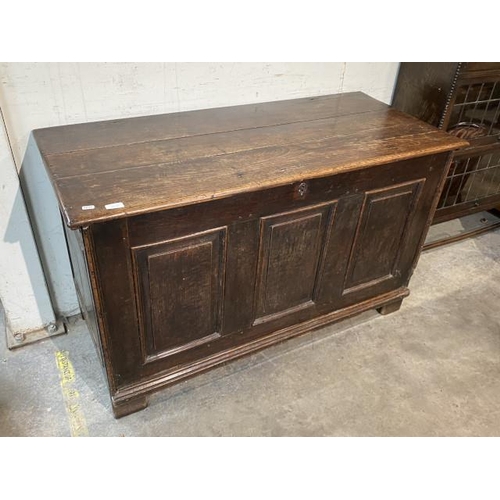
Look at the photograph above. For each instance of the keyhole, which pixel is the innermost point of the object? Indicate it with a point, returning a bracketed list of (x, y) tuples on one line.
[(302, 189)]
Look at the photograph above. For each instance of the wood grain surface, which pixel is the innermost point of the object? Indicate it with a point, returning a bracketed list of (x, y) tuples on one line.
[(212, 234), (107, 170)]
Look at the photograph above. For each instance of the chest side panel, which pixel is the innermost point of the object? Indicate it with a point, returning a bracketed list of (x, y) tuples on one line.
[(83, 286)]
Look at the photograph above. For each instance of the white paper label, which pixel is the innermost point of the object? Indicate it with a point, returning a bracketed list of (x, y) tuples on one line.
[(88, 207), (114, 205)]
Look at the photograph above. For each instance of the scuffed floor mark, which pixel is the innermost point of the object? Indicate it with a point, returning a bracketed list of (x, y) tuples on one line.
[(76, 418)]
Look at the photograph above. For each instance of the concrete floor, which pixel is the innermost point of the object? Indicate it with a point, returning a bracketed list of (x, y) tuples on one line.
[(431, 369)]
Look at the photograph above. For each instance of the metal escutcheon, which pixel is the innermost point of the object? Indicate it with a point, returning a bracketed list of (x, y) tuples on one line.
[(302, 189)]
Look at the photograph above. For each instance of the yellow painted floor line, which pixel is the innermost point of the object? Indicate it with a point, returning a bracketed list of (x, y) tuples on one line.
[(76, 418)]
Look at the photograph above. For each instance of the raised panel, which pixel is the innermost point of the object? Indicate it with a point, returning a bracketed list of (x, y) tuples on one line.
[(291, 256), (382, 228), (180, 292)]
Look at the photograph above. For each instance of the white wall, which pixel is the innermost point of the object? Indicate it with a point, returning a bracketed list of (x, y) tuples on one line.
[(23, 291), (35, 95)]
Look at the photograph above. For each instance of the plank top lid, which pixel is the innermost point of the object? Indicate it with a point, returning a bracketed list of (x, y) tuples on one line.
[(111, 169)]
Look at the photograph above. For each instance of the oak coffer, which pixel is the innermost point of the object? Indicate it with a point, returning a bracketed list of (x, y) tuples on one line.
[(199, 237)]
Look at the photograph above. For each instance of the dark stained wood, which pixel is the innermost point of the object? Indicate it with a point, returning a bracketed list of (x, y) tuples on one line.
[(482, 66), (147, 129), (385, 219), (416, 225), (422, 89), (125, 406), (180, 291), (471, 207), (161, 379), (79, 267), (177, 160), (390, 308), (115, 296), (291, 247), (374, 126), (462, 236), (463, 99), (236, 238)]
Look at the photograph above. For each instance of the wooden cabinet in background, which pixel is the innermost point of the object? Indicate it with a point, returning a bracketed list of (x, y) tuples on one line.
[(464, 100), (199, 237)]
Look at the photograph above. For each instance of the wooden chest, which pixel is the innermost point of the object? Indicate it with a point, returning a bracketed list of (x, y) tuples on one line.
[(199, 237)]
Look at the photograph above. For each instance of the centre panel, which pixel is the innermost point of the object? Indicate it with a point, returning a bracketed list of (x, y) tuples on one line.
[(292, 250)]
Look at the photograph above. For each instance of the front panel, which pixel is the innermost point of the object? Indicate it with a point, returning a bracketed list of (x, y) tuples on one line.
[(203, 280), (382, 227), (291, 255), (180, 291), (376, 263)]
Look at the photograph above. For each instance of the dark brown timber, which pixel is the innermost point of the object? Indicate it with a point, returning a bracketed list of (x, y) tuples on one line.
[(200, 237), (463, 99)]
